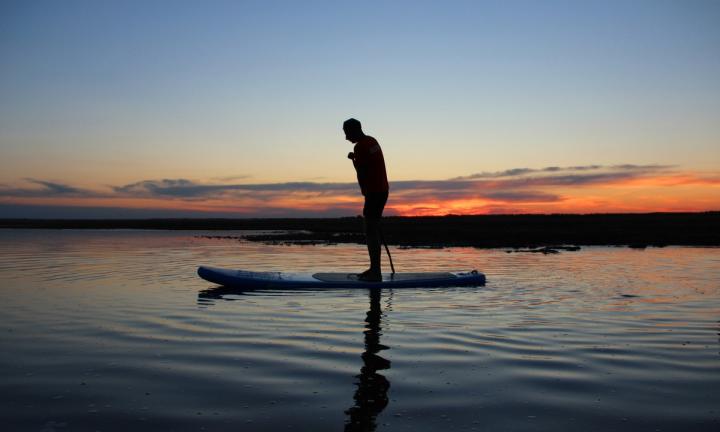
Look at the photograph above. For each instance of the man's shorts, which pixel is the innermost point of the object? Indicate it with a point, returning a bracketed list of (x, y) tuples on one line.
[(374, 204)]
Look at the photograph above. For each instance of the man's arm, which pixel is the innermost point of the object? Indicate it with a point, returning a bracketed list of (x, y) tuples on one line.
[(361, 169)]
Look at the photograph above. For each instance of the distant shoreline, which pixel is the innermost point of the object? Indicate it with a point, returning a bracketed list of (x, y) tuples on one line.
[(486, 231)]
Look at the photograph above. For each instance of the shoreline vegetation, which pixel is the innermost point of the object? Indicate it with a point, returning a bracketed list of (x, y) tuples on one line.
[(537, 233)]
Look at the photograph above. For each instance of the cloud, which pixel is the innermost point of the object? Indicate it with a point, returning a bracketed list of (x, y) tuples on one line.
[(523, 196), (183, 188), (511, 184), (513, 190), (568, 180), (47, 189), (231, 178), (440, 189), (517, 172), (56, 188)]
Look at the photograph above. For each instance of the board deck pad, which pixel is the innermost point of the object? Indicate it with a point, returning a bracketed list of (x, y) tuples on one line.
[(386, 277), (244, 279)]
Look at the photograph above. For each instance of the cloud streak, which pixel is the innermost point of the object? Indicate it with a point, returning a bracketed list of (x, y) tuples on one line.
[(518, 188), (512, 179), (188, 188), (517, 172), (46, 189)]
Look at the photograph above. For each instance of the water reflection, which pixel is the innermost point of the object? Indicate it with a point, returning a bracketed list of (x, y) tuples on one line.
[(372, 388), (207, 297), (371, 394)]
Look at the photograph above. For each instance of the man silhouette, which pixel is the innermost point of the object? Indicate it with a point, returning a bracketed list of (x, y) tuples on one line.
[(367, 158)]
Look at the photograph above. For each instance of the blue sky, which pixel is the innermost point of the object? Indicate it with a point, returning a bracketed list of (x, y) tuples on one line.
[(99, 94)]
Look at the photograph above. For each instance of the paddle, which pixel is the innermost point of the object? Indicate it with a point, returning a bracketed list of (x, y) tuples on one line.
[(382, 237)]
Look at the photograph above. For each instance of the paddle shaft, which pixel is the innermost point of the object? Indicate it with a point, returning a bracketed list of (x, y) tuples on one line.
[(382, 237)]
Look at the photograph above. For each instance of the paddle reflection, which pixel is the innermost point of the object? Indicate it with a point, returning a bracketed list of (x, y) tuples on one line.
[(371, 394)]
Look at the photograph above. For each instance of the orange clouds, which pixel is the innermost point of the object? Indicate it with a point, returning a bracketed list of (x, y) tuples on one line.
[(580, 189)]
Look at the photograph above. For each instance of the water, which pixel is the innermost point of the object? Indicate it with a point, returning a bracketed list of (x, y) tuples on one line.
[(112, 331)]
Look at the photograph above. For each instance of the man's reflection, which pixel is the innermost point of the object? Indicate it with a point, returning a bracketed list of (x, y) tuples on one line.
[(371, 394)]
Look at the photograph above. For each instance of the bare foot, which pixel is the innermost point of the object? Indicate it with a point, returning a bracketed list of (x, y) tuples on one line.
[(370, 275)]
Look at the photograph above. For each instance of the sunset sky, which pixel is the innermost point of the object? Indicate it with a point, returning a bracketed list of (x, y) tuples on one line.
[(235, 108)]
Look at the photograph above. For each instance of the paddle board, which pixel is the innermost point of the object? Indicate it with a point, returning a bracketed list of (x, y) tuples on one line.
[(280, 280)]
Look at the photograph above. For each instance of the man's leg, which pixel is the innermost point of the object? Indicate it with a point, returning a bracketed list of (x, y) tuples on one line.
[(372, 236), (372, 212)]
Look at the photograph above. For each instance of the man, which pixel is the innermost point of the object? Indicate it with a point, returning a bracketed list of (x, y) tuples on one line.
[(367, 158)]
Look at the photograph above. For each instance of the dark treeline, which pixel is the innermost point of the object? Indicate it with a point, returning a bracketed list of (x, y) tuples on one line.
[(652, 229)]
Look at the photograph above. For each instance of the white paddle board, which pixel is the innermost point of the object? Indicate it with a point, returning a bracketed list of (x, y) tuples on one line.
[(280, 280)]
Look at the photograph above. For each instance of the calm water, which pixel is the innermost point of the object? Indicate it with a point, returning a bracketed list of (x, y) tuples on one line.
[(112, 330)]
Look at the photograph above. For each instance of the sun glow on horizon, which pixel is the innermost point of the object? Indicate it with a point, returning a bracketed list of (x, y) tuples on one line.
[(581, 189)]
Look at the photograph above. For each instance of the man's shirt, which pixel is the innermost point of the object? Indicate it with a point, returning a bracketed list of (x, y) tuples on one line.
[(370, 166)]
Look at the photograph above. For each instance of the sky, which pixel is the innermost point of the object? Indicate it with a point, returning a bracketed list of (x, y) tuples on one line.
[(235, 108)]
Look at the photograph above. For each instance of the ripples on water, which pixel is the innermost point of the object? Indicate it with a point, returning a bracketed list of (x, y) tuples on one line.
[(112, 330)]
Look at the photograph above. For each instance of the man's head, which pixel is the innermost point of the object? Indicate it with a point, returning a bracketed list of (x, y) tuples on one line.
[(353, 130)]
